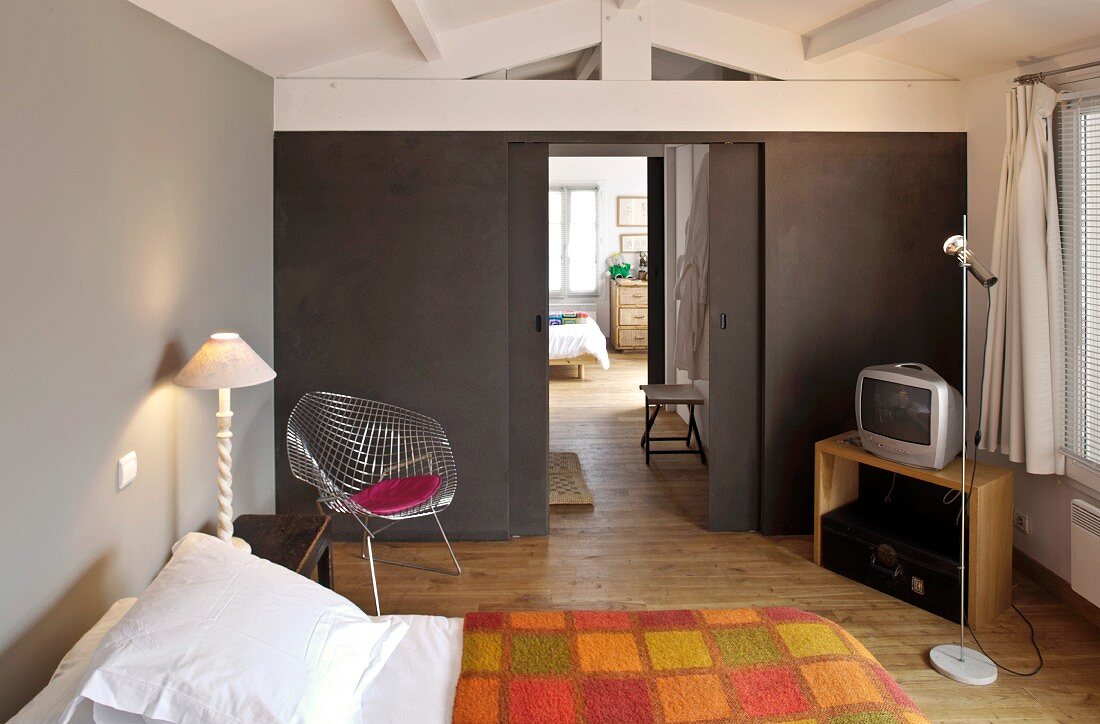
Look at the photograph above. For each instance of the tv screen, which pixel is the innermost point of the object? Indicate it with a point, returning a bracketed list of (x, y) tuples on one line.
[(897, 411)]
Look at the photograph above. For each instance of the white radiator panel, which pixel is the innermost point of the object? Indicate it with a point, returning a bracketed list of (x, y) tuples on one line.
[(1084, 546)]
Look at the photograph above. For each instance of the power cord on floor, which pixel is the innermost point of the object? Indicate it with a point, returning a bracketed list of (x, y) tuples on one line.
[(977, 443), (1034, 645)]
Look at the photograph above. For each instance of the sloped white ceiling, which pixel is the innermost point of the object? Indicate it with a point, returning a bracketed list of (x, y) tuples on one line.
[(797, 16), (367, 38), (452, 14), (999, 35), (280, 37)]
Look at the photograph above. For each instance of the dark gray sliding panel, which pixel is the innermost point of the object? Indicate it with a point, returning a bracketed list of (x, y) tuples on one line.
[(655, 180), (854, 275), (528, 219), (391, 282), (734, 403)]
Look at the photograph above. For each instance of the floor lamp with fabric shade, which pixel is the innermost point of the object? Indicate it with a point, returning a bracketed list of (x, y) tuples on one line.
[(223, 362)]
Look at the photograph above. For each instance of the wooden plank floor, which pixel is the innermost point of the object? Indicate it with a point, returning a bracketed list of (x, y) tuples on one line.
[(644, 545)]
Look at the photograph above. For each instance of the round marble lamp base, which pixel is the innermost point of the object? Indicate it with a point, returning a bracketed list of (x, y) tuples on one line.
[(964, 665)]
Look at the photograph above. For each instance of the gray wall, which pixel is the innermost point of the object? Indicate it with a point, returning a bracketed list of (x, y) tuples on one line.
[(391, 283), (135, 195), (854, 275), (367, 248)]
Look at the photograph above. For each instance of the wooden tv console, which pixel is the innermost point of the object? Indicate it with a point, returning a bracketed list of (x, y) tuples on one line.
[(836, 482)]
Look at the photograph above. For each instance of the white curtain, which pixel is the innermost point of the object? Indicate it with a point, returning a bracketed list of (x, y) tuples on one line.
[(690, 348), (1023, 385)]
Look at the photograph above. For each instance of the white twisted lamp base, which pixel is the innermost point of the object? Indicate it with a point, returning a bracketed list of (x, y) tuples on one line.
[(225, 473)]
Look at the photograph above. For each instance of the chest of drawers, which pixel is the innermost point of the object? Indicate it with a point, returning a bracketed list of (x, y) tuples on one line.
[(630, 315)]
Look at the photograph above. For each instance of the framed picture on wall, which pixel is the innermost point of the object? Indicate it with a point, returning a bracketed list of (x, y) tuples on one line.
[(633, 210), (633, 242)]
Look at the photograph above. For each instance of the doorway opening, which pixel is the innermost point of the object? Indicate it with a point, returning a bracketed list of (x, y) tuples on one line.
[(610, 211), (722, 494), (598, 260)]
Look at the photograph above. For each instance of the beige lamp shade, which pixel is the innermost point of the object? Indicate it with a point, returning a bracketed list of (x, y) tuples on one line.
[(224, 361)]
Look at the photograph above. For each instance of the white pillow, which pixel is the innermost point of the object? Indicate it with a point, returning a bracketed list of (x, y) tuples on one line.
[(221, 635)]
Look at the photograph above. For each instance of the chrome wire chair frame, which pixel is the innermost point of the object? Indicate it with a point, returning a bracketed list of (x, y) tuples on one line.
[(342, 445)]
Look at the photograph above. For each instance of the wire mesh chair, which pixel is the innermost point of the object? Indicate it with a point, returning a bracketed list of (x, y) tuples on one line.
[(343, 445)]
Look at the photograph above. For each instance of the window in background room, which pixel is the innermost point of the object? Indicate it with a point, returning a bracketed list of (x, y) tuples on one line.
[(574, 241), (1079, 210)]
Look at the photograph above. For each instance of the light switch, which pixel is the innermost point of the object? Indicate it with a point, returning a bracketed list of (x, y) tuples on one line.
[(127, 469)]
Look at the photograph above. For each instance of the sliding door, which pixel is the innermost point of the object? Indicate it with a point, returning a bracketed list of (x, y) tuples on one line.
[(855, 275), (734, 317), (655, 181), (391, 283), (528, 301)]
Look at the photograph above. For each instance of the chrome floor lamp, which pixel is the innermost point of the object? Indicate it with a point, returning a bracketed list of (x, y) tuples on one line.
[(957, 661)]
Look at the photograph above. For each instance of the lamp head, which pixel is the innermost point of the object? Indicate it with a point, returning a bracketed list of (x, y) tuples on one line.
[(224, 361), (956, 246)]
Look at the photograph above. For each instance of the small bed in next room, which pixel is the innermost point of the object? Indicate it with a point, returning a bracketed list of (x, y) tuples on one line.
[(578, 344)]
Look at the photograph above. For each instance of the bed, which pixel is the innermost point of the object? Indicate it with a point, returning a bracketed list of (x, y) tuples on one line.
[(419, 682), (577, 345), (221, 635)]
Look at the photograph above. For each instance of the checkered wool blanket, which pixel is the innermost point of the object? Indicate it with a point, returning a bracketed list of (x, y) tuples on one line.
[(743, 665)]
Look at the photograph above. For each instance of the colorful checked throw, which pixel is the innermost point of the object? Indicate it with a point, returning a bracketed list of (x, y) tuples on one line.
[(616, 667), (558, 318)]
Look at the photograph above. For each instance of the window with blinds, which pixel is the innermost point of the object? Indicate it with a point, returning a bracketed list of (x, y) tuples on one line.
[(574, 241), (1078, 128)]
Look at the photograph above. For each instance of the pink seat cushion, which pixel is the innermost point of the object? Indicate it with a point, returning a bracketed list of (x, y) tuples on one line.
[(395, 495)]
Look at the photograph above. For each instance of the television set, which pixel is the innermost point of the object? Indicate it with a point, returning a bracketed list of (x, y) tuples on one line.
[(909, 414)]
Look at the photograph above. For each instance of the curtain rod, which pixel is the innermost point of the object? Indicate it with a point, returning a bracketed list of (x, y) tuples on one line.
[(1038, 77)]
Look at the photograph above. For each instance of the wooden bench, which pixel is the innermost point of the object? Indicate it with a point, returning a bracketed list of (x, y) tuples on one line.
[(658, 395)]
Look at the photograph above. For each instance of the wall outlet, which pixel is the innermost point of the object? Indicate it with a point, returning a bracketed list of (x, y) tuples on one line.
[(127, 469), (1021, 522)]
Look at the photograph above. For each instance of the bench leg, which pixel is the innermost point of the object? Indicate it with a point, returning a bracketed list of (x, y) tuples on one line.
[(693, 427), (648, 423), (580, 372), (650, 419)]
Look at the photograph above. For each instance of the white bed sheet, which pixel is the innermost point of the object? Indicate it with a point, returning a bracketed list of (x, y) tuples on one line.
[(418, 683), (570, 340), (416, 686)]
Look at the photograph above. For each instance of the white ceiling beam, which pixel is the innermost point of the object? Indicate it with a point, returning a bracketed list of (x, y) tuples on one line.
[(508, 41), (589, 61), (566, 105), (878, 22), (626, 42), (420, 28), (717, 37)]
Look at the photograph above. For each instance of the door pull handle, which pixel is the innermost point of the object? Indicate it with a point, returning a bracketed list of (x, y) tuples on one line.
[(538, 322), (722, 320)]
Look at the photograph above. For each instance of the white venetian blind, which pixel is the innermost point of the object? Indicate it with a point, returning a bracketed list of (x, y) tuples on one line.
[(574, 241), (1078, 127)]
